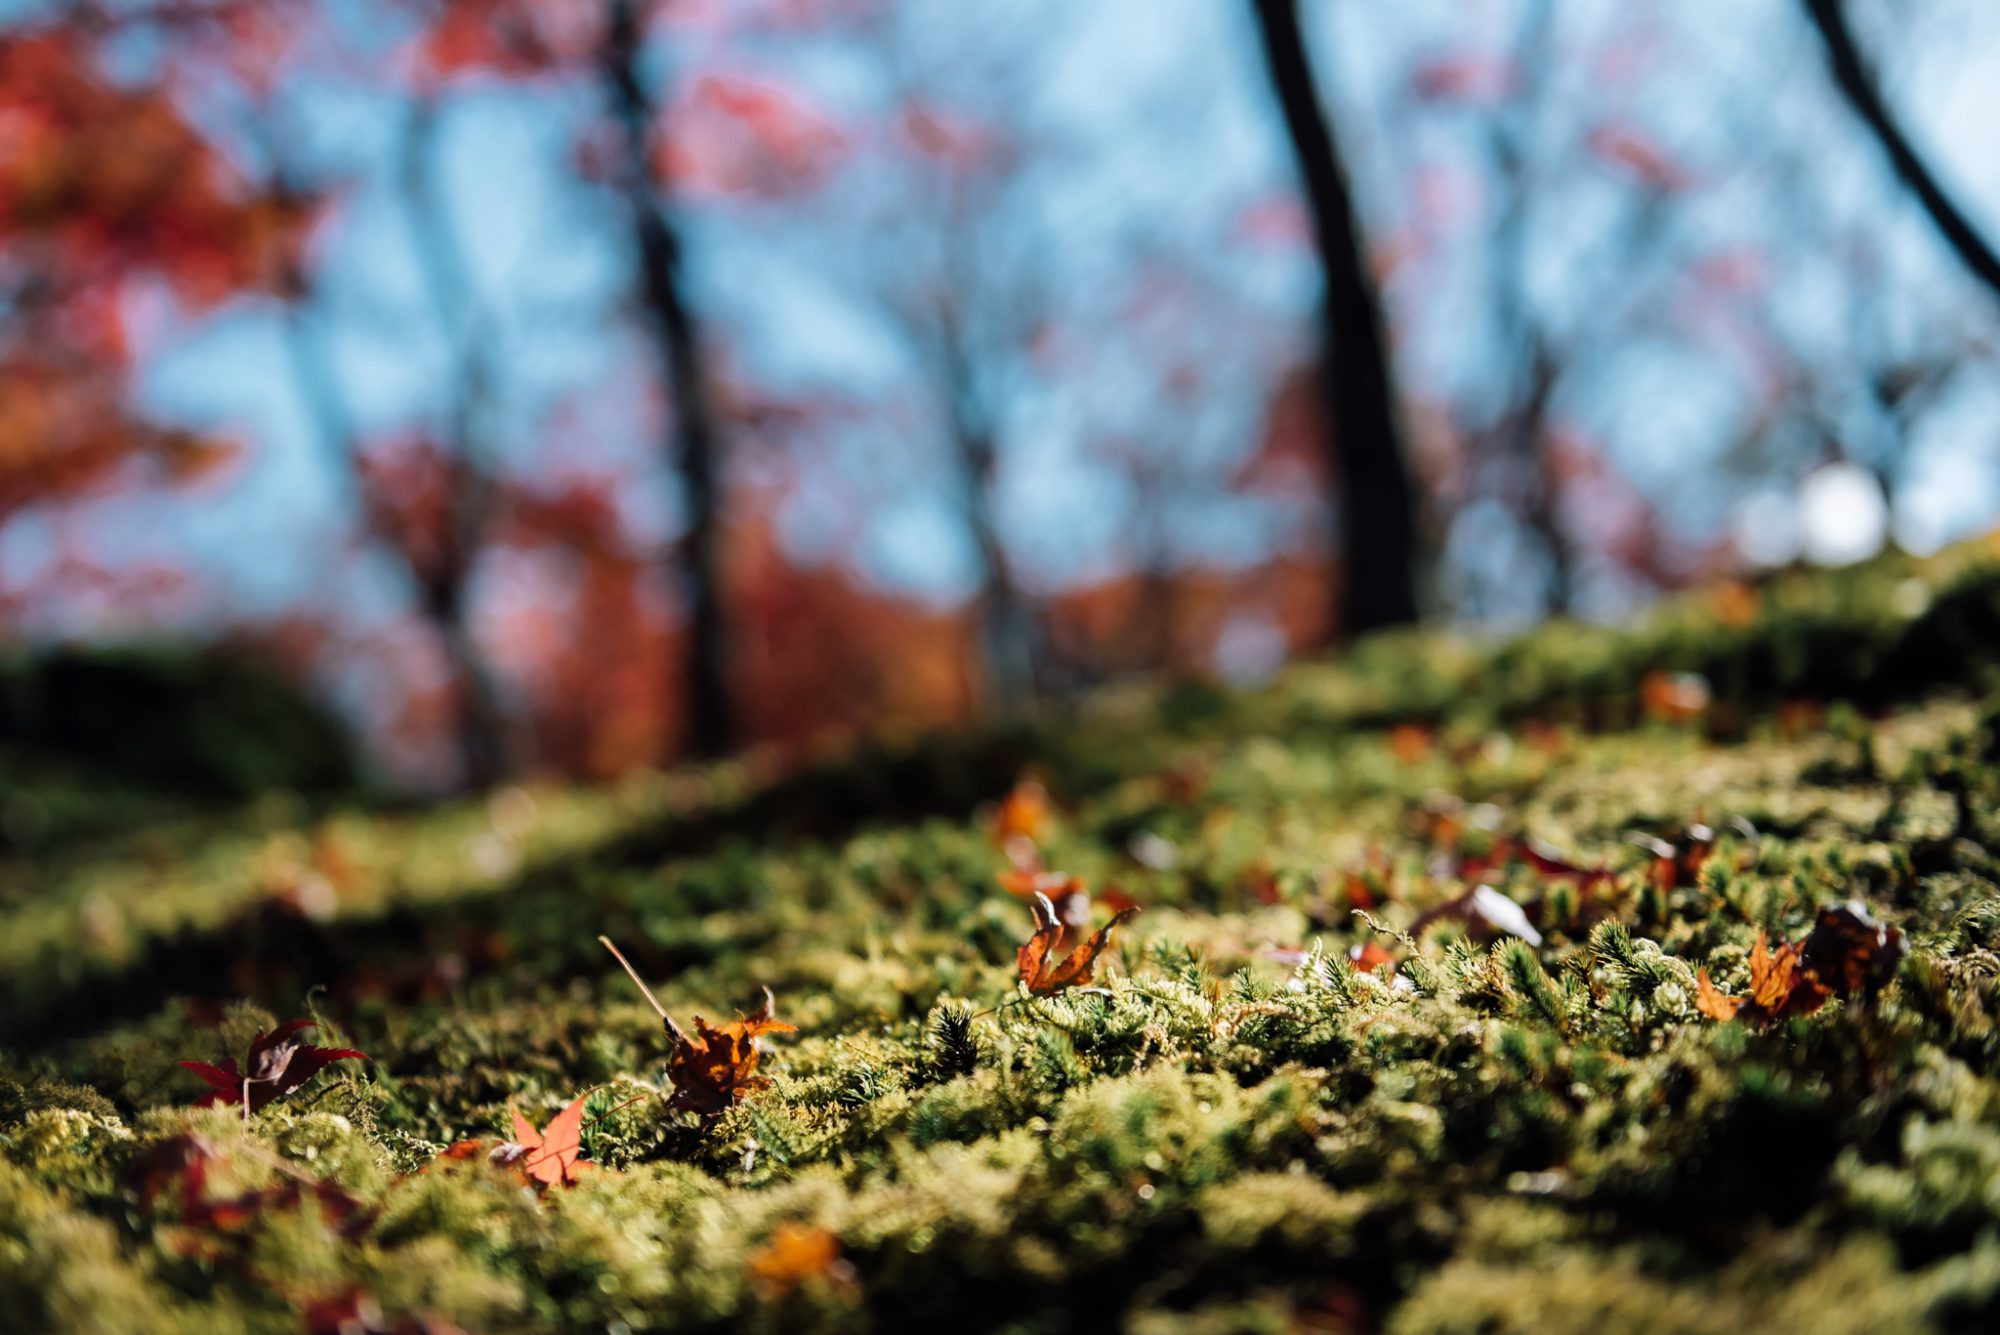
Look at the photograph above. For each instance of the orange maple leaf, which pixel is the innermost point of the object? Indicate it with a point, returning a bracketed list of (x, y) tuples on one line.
[(551, 1157), (795, 1254), (1712, 1002), (1779, 987), (1038, 974), (714, 1066)]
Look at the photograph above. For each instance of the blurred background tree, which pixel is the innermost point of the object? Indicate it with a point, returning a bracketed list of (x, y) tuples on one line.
[(561, 387)]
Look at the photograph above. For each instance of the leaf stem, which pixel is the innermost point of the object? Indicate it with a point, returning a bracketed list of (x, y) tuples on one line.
[(673, 1030)]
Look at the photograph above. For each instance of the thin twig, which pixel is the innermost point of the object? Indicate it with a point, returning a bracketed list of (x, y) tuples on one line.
[(633, 974), (639, 1098)]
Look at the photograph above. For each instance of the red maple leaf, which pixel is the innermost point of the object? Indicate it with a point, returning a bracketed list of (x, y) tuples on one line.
[(276, 1065)]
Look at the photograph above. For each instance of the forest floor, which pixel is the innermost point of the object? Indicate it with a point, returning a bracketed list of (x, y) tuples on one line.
[(1592, 981)]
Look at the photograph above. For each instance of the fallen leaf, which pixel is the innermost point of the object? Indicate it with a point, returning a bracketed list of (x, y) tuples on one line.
[(181, 1160), (551, 1157), (1067, 893), (1369, 957), (716, 1066), (713, 1067), (1675, 697), (1713, 1003), (1780, 987), (1024, 814), (795, 1254), (1850, 952), (1033, 958), (1410, 742), (277, 1064)]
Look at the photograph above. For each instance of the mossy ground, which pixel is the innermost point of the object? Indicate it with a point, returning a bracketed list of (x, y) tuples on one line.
[(1219, 1137)]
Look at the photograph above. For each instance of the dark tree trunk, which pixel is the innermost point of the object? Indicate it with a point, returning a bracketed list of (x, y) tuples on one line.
[(696, 446), (1377, 524), (1857, 85), (484, 756), (1006, 631)]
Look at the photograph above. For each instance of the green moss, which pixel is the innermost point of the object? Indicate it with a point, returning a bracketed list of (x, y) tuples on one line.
[(1238, 1127)]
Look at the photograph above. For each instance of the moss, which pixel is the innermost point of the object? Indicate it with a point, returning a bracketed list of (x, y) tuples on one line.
[(1240, 1126)]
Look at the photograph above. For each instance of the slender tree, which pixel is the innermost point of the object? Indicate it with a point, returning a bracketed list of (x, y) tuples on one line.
[(438, 557), (1857, 84), (696, 444), (1520, 430), (1376, 528), (471, 487)]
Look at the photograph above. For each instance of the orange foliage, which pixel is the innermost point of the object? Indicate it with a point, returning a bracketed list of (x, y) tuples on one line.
[(796, 1254), (1023, 814)]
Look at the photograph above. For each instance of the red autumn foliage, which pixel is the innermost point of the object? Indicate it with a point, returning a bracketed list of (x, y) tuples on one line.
[(1471, 78), (738, 137), (1636, 153), (276, 1064), (106, 190)]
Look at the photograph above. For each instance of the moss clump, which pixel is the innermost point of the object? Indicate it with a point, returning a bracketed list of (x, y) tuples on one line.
[(1316, 1084)]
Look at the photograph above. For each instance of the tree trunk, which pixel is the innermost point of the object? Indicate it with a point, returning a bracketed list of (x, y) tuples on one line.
[(696, 446), (1376, 530), (1006, 647)]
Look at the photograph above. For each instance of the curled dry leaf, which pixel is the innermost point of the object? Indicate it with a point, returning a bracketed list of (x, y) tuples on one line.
[(716, 1065), (276, 1065), (1038, 974), (1066, 893)]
